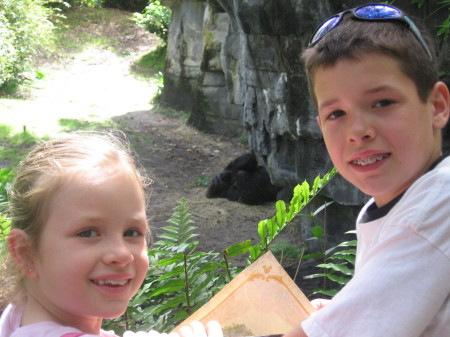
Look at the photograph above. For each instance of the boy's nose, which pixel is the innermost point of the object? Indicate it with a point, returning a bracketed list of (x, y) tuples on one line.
[(118, 253), (360, 130)]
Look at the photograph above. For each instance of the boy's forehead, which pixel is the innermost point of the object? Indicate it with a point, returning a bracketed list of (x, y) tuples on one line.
[(366, 74)]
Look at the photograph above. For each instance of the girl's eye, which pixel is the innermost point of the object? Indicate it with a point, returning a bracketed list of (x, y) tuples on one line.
[(132, 233), (383, 103), (89, 233), (335, 114)]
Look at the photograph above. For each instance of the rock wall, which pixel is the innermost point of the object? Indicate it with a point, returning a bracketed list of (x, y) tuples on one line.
[(234, 64)]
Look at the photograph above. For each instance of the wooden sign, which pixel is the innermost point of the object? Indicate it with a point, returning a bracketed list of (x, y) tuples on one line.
[(261, 300)]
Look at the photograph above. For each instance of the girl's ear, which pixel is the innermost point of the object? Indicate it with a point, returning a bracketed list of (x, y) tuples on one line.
[(20, 248), (440, 98)]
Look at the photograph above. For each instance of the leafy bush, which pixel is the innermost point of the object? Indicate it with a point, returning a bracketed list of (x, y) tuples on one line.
[(337, 266), (269, 229), (156, 19), (180, 280), (6, 177), (82, 3), (25, 30)]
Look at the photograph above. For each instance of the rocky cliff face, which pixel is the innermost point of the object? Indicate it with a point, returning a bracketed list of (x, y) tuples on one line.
[(235, 65)]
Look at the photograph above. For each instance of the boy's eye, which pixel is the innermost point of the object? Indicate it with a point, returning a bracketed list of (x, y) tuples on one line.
[(335, 114), (89, 233), (383, 103), (132, 233)]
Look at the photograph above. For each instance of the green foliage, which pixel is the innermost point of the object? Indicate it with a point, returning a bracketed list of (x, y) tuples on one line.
[(337, 267), (84, 3), (152, 64), (25, 30), (201, 181), (6, 177), (5, 227), (70, 124), (14, 146), (269, 229), (156, 19), (181, 278), (444, 28)]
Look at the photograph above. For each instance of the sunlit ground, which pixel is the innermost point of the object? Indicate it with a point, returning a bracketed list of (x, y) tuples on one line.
[(95, 87)]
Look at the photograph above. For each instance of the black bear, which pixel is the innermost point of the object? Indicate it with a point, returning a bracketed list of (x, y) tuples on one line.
[(244, 181)]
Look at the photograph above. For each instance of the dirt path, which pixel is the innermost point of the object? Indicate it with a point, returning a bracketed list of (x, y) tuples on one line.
[(96, 85)]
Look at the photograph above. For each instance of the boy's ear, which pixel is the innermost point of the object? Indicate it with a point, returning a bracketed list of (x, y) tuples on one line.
[(440, 98), (20, 248)]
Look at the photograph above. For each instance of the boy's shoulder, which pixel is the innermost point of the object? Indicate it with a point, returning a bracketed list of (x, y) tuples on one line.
[(424, 207)]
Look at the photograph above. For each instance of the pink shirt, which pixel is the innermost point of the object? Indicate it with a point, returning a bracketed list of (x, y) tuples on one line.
[(10, 326)]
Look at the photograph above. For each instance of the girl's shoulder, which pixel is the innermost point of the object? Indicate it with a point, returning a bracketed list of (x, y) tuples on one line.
[(51, 329)]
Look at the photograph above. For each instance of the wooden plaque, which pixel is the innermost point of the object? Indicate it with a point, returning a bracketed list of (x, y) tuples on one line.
[(261, 300)]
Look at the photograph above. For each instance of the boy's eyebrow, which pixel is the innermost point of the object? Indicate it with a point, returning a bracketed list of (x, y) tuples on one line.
[(327, 103), (379, 88), (384, 87)]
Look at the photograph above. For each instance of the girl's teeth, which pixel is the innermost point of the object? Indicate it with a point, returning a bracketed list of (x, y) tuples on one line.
[(369, 160), (111, 282)]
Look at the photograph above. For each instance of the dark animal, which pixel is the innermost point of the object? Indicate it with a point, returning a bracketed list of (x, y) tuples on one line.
[(244, 181)]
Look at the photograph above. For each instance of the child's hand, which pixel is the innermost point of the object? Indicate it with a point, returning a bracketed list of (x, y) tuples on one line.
[(197, 329), (151, 333)]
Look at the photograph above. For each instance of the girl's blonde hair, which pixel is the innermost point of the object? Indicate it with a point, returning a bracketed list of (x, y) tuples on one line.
[(40, 175)]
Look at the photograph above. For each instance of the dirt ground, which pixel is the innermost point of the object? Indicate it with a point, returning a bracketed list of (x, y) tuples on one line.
[(98, 82)]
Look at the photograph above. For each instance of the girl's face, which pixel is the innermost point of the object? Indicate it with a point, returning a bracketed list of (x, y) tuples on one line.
[(92, 254), (380, 136)]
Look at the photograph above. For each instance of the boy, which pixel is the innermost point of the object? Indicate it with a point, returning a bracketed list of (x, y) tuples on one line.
[(381, 109)]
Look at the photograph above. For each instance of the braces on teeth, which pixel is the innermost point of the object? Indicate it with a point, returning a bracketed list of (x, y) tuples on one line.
[(370, 160)]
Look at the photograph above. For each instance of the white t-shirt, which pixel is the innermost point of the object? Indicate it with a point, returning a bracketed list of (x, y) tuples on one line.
[(10, 327), (401, 286)]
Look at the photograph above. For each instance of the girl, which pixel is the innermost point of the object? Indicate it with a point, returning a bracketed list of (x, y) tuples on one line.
[(78, 241)]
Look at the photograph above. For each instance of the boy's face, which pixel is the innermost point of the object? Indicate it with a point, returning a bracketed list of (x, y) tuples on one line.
[(380, 136)]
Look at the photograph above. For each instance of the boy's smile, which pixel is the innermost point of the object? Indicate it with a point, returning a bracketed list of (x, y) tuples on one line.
[(381, 137)]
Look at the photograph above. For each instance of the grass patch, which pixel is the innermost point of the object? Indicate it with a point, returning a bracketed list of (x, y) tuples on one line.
[(82, 27), (151, 63), (70, 124), (170, 112), (14, 146), (201, 181)]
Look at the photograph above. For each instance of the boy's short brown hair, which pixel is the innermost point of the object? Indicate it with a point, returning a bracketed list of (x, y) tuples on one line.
[(353, 38)]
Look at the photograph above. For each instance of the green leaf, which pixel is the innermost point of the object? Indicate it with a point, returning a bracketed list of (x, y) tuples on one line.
[(337, 267), (238, 248), (262, 232), (168, 286), (281, 212), (329, 292), (352, 243), (313, 256), (271, 230), (317, 231)]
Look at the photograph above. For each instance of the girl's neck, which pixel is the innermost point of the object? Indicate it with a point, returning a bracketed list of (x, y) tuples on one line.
[(36, 312)]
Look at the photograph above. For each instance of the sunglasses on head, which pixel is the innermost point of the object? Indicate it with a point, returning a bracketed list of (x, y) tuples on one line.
[(372, 12)]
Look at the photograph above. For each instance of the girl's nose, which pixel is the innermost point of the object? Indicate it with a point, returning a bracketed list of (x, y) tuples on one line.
[(118, 253)]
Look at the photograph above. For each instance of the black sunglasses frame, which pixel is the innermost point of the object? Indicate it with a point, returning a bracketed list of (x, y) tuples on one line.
[(321, 31)]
